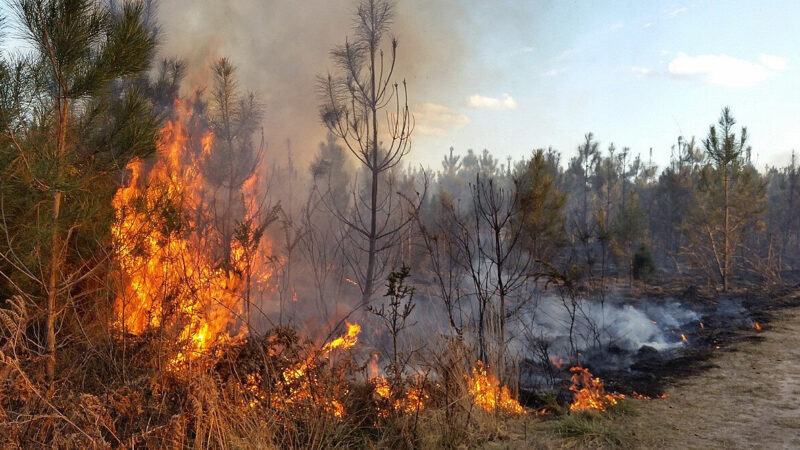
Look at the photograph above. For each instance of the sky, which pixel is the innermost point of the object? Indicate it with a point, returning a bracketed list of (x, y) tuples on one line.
[(635, 73), (512, 76)]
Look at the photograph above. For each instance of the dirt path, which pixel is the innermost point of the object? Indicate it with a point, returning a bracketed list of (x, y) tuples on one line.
[(750, 400)]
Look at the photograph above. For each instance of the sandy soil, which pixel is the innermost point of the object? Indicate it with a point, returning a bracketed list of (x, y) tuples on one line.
[(750, 400)]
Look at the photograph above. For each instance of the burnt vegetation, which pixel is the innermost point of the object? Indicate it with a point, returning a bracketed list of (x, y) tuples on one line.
[(170, 280)]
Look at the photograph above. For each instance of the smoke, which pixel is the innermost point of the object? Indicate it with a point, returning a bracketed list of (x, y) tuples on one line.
[(281, 47), (625, 326)]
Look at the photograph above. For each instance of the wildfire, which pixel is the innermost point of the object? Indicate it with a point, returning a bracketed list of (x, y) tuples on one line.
[(164, 245), (590, 392), (347, 341), (683, 338), (639, 396), (557, 361), (409, 403), (756, 326), (299, 386), (487, 393)]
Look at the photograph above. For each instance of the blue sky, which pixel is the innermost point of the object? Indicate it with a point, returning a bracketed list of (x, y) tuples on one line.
[(635, 73), (511, 76)]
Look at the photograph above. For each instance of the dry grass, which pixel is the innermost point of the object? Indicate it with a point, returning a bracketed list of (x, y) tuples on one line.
[(122, 395)]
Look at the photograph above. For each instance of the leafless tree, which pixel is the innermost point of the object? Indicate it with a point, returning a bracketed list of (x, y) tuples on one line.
[(488, 240), (352, 101)]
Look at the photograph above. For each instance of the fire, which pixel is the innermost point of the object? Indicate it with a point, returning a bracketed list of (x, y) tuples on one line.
[(163, 246), (756, 326), (702, 325), (347, 341), (590, 392), (408, 403), (683, 338), (557, 361), (299, 384), (639, 396), (372, 366), (487, 393)]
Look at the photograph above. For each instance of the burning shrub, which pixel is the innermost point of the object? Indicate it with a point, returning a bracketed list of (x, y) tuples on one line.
[(165, 245)]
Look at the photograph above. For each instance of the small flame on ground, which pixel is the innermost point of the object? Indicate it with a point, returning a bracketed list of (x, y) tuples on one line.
[(756, 326), (299, 385), (683, 338), (702, 325), (487, 393), (353, 282), (639, 396), (590, 392), (408, 403)]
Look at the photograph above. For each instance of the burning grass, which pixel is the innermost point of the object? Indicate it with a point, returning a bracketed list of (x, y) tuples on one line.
[(183, 368), (590, 392), (488, 394)]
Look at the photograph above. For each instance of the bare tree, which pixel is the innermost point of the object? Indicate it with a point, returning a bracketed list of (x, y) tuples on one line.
[(352, 101), (489, 242)]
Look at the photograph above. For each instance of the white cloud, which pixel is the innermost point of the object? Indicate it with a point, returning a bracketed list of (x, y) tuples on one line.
[(773, 62), (552, 73), (724, 70), (647, 25), (437, 120), (669, 14), (483, 102)]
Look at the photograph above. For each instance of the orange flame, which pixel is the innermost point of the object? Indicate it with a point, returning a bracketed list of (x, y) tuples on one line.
[(299, 385), (639, 396), (408, 403), (487, 393), (756, 326), (683, 338), (590, 392), (557, 361), (163, 245)]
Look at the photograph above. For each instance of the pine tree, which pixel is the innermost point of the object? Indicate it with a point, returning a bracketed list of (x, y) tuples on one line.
[(72, 120)]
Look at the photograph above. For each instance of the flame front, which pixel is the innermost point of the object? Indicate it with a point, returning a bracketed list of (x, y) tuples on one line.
[(163, 241), (590, 392), (299, 385), (487, 392)]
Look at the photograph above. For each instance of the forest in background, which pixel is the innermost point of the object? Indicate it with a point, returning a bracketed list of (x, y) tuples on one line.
[(174, 278)]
